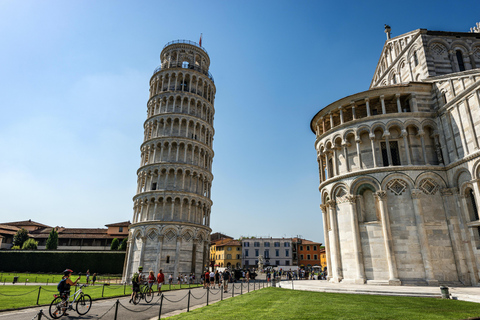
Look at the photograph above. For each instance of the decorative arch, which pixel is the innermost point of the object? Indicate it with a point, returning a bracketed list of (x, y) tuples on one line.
[(355, 185)]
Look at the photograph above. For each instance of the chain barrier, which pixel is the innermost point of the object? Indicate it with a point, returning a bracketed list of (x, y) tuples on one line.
[(172, 301), (218, 291), (17, 295), (200, 297), (131, 310), (49, 290), (111, 287), (103, 315)]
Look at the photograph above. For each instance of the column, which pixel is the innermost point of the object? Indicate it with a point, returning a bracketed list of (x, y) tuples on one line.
[(372, 142), (423, 238), (154, 153), (142, 251), (359, 154), (414, 106), (421, 133), (470, 121), (127, 270), (341, 114), (399, 106), (155, 210), (337, 274), (177, 256), (392, 265), (357, 244), (462, 130), (382, 100), (441, 131), (345, 152), (323, 124), (367, 101), (320, 164), (353, 110), (386, 135), (327, 240), (331, 120), (335, 161), (407, 147)]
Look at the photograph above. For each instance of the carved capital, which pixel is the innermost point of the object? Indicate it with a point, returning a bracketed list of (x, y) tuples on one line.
[(448, 191), (350, 199), (416, 193), (381, 195), (331, 203), (324, 208)]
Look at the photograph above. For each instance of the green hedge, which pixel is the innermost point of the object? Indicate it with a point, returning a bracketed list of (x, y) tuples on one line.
[(57, 261)]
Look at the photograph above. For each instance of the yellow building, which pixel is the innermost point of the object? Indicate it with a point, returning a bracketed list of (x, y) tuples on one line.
[(226, 253)]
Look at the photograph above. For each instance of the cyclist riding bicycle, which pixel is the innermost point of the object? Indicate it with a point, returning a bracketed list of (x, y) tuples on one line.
[(65, 284), (137, 279)]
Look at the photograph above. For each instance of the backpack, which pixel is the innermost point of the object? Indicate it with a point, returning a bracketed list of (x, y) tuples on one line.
[(135, 278), (62, 285)]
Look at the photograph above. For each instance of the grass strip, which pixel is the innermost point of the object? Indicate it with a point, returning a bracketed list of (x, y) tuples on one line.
[(277, 303), (18, 296)]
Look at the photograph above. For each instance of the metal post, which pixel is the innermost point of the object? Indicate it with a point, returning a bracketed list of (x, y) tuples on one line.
[(208, 290), (116, 309), (124, 287), (188, 305), (40, 314), (103, 288), (248, 286), (221, 294), (233, 289), (4, 282), (254, 284), (161, 304), (241, 289), (38, 297)]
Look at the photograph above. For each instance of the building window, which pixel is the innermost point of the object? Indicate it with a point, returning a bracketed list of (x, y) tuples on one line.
[(246, 262), (287, 263), (277, 253), (415, 58), (286, 244), (301, 248), (120, 229), (474, 216), (315, 257), (154, 186), (246, 252), (267, 244), (168, 259), (308, 257), (314, 248), (238, 248), (238, 256), (301, 257), (229, 248), (276, 244), (246, 244), (308, 248), (461, 65), (256, 252), (266, 253), (393, 152), (229, 256), (444, 98), (256, 244), (287, 252), (277, 262)]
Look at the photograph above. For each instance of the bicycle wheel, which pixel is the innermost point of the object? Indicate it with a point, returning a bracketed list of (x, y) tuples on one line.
[(84, 303), (57, 308), (137, 297), (148, 295)]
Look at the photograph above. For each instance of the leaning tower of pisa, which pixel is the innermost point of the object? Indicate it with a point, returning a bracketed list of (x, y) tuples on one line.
[(172, 205)]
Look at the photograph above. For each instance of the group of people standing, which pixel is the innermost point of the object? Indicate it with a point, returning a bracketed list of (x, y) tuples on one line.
[(210, 279), (139, 278)]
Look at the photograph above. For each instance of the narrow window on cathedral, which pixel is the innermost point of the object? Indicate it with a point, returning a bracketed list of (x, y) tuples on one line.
[(168, 259), (444, 98), (395, 153), (374, 112), (474, 217), (330, 168), (461, 65), (394, 80), (383, 146), (415, 58), (154, 186)]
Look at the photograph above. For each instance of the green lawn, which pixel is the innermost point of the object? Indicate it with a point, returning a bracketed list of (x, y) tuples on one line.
[(7, 278), (276, 303), (17, 296)]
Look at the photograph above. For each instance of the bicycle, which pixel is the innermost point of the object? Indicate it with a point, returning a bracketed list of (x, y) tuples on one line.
[(60, 304), (144, 293)]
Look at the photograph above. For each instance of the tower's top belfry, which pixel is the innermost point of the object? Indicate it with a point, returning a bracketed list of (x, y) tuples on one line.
[(185, 54)]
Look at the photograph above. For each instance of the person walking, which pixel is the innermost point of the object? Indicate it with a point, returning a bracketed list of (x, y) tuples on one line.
[(94, 278), (88, 275), (150, 281), (160, 281), (226, 279)]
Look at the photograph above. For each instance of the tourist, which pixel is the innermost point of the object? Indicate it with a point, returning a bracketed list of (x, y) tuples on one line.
[(160, 281), (88, 276), (64, 285), (150, 281), (217, 279), (226, 278), (136, 280), (94, 278)]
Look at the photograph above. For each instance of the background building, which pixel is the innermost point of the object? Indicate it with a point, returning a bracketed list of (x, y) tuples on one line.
[(171, 219), (275, 252), (400, 166), (308, 253)]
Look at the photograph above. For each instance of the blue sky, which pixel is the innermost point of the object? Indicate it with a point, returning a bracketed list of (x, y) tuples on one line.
[(74, 86)]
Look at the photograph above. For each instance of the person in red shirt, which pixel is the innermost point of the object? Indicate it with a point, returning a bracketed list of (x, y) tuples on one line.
[(206, 282), (160, 281), (150, 281)]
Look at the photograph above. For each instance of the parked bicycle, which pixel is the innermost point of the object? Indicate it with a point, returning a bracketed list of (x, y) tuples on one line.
[(144, 293), (60, 304)]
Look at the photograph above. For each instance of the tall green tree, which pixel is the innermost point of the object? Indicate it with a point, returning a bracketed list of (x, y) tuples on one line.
[(52, 241), (115, 244), (20, 237), (30, 244), (123, 245)]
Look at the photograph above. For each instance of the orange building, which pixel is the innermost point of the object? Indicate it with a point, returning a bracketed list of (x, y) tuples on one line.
[(309, 253)]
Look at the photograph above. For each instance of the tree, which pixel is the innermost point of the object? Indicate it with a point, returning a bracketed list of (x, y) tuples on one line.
[(20, 237), (30, 244), (115, 244), (52, 241), (15, 248), (123, 245)]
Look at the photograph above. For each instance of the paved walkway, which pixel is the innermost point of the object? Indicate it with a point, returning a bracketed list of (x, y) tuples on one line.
[(461, 293), (174, 302)]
